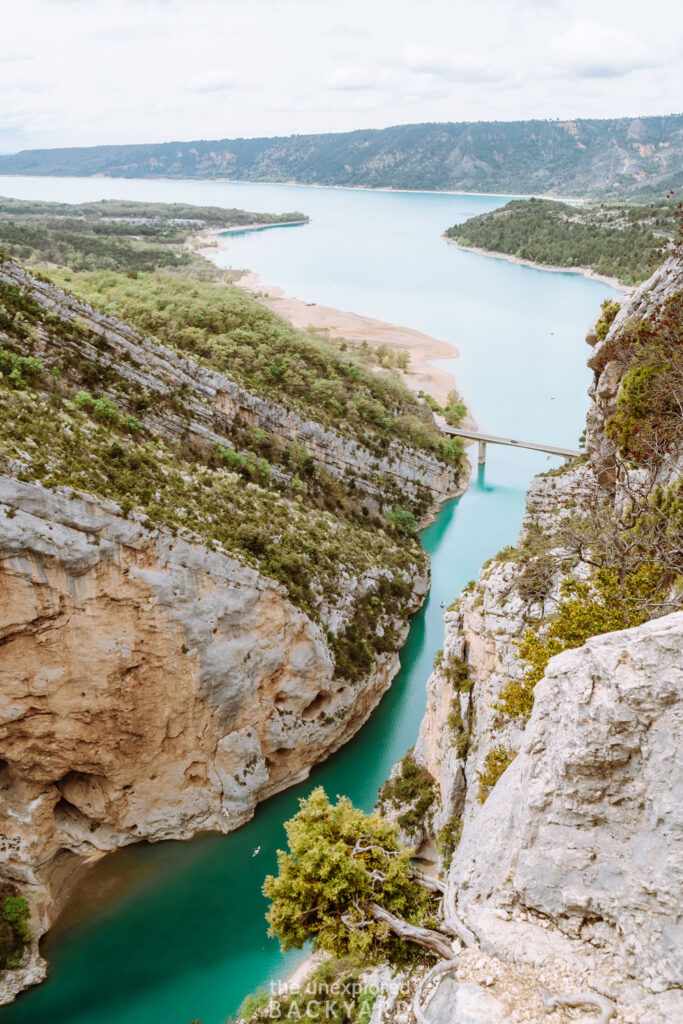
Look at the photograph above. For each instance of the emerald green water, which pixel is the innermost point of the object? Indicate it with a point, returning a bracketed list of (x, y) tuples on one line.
[(175, 931)]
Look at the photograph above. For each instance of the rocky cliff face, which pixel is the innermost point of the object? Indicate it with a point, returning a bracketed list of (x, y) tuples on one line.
[(211, 405), (571, 864), (154, 684), (150, 689), (577, 852)]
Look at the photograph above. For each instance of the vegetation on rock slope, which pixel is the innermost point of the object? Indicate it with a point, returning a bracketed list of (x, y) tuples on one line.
[(222, 327), (14, 931), (74, 413), (346, 884), (115, 234), (630, 543), (564, 157), (617, 241)]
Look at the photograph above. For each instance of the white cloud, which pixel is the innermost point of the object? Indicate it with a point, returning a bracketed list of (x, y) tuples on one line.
[(212, 81), (591, 50), (464, 67), (353, 77), (149, 70)]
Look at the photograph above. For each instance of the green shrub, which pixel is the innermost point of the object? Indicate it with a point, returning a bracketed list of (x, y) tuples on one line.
[(402, 519), (412, 787), (14, 931), (602, 604), (447, 839), (254, 1002), (495, 763), (610, 308), (19, 370)]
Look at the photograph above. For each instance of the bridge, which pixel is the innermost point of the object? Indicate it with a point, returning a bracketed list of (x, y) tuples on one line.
[(483, 439)]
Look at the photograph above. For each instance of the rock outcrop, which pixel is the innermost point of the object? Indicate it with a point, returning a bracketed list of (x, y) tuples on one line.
[(154, 684), (572, 864), (577, 852), (150, 689)]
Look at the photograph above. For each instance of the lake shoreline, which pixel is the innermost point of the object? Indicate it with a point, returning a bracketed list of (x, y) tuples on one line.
[(613, 282), (576, 200), (354, 327), (237, 228)]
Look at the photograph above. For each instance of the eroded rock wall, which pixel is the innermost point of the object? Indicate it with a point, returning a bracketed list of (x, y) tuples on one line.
[(149, 689), (578, 851), (573, 862)]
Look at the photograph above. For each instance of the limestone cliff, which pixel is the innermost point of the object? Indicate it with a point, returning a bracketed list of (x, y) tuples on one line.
[(572, 863), (150, 689), (155, 683)]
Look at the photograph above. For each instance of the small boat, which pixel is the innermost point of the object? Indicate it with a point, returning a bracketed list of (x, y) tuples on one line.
[(257, 850), (443, 604)]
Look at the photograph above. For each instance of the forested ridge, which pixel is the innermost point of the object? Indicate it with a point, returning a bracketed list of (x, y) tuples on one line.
[(72, 416), (633, 157), (616, 241), (116, 234)]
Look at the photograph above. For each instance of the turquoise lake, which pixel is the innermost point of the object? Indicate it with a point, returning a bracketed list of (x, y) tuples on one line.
[(175, 931)]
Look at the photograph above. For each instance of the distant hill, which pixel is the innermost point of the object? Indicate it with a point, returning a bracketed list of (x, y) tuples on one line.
[(639, 157)]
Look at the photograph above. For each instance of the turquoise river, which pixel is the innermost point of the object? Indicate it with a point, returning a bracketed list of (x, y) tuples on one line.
[(174, 932)]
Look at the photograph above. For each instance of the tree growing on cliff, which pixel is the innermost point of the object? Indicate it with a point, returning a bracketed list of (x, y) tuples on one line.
[(347, 885), (14, 932)]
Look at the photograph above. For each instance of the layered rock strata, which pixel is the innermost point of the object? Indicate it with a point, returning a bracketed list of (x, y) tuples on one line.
[(149, 689)]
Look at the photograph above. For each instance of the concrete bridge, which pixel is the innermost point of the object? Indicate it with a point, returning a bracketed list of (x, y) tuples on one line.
[(483, 439)]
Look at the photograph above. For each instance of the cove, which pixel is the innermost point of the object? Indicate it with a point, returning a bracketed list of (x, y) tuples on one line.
[(175, 931)]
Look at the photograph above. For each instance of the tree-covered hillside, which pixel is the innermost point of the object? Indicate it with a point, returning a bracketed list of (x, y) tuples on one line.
[(616, 241), (115, 234), (617, 156), (128, 422)]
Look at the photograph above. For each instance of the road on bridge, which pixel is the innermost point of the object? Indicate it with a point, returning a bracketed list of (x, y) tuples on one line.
[(484, 439)]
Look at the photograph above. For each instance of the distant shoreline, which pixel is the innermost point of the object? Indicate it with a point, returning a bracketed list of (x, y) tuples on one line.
[(258, 227), (575, 200), (613, 282)]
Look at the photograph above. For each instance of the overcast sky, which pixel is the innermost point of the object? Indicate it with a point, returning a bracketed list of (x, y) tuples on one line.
[(81, 72)]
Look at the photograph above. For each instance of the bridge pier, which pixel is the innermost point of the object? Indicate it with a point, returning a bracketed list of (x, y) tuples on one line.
[(482, 453)]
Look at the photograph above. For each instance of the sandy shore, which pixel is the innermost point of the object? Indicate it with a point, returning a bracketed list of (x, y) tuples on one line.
[(613, 282), (355, 327)]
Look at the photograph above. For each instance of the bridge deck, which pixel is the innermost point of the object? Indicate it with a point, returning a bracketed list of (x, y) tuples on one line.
[(551, 449)]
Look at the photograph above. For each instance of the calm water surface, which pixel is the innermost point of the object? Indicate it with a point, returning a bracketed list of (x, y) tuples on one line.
[(174, 932)]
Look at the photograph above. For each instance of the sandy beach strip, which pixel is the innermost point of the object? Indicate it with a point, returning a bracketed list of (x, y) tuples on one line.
[(354, 327), (613, 282)]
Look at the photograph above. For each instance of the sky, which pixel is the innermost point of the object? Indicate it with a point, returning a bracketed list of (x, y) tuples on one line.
[(85, 72)]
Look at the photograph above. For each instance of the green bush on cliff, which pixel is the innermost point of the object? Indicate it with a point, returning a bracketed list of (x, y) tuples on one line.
[(610, 308), (496, 761), (19, 370), (447, 839), (14, 931), (602, 604), (648, 421), (414, 788)]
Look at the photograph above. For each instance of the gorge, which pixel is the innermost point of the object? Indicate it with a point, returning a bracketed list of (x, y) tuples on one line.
[(509, 483)]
